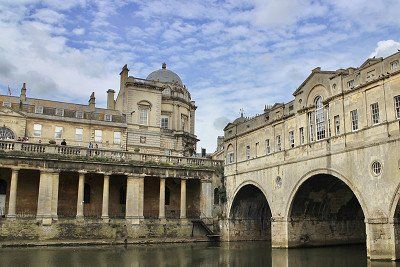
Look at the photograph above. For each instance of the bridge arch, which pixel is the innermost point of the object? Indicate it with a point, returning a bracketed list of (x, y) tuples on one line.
[(249, 213), (325, 208)]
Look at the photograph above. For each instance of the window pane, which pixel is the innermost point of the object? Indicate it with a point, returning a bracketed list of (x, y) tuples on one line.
[(37, 130), (397, 106), (79, 134), (58, 132), (98, 135), (375, 113), (117, 137)]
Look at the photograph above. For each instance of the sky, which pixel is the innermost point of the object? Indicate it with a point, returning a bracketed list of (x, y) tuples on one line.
[(231, 55)]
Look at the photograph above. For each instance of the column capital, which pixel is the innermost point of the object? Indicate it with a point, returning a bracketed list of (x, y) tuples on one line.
[(185, 178), (82, 172), (15, 169), (206, 181)]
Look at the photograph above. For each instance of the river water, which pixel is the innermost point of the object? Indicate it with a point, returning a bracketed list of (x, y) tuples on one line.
[(199, 254)]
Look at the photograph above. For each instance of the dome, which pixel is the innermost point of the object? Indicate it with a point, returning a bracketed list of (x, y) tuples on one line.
[(165, 76)]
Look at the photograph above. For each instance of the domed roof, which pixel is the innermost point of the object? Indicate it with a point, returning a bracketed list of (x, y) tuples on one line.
[(165, 76)]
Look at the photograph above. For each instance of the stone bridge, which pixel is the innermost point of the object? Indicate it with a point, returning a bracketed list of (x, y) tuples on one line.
[(340, 190)]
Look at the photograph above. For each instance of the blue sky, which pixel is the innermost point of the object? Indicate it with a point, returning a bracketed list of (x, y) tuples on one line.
[(230, 54)]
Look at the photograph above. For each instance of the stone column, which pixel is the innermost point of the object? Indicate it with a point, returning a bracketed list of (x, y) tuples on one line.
[(45, 196), (279, 232), (183, 199), (134, 198), (54, 199), (161, 212), (79, 203), (13, 194), (206, 199), (381, 239), (106, 195)]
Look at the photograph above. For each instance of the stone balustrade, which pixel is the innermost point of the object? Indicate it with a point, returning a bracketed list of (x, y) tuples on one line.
[(104, 154)]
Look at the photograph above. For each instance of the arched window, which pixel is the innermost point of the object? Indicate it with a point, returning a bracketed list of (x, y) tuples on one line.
[(122, 195), (167, 196), (216, 196), (230, 154), (319, 118), (86, 193), (6, 134), (3, 187)]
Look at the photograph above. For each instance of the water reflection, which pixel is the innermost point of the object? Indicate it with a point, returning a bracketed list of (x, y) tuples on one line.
[(201, 254)]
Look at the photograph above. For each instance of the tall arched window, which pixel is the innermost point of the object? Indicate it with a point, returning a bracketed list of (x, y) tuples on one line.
[(167, 196), (6, 134), (319, 118), (230, 154), (86, 193)]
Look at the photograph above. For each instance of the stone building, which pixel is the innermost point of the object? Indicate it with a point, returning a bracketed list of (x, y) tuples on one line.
[(154, 115), (323, 168), (70, 171)]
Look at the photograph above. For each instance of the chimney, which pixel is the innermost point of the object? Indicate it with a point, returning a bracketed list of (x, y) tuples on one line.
[(92, 102), (124, 75), (110, 99), (23, 93)]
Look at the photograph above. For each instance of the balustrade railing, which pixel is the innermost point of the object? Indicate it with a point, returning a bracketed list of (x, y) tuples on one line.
[(113, 155)]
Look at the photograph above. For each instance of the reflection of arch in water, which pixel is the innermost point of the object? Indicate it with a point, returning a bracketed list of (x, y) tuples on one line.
[(6, 133)]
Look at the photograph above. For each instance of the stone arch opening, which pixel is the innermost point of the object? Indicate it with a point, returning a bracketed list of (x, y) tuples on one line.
[(325, 211), (250, 215)]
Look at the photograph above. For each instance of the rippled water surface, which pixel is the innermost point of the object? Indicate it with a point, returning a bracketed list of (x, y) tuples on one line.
[(200, 254)]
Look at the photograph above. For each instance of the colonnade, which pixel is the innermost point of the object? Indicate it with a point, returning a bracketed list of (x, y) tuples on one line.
[(48, 197)]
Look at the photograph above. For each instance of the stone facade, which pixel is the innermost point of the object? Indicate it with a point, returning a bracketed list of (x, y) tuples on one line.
[(153, 116), (125, 172), (327, 162)]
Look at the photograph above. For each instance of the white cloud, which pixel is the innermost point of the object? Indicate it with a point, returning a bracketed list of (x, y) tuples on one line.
[(386, 48), (78, 31)]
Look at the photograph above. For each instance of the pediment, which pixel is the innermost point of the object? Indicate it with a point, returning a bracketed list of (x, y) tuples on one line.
[(5, 111), (316, 77), (370, 62)]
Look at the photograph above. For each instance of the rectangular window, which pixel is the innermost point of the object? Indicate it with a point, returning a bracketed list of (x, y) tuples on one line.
[(108, 117), (79, 114), (354, 120), (247, 152), (78, 134), (267, 147), (37, 130), (143, 116), (350, 84), (397, 106), (98, 136), (394, 65), (336, 120), (58, 132), (39, 109), (117, 138), (167, 152), (375, 113), (164, 122), (7, 104), (301, 135), (231, 157), (60, 112), (256, 149), (291, 139), (278, 143)]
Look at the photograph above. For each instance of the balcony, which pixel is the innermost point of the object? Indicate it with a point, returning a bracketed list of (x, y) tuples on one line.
[(23, 149)]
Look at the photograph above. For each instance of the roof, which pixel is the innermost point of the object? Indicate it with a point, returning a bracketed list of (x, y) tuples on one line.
[(165, 76)]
